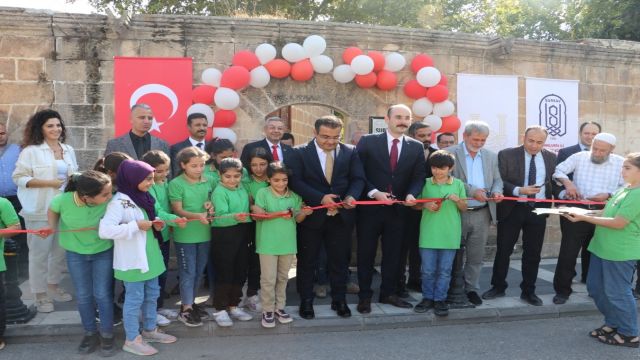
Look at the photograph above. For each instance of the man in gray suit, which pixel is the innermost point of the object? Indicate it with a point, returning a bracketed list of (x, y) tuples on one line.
[(478, 168), (138, 140)]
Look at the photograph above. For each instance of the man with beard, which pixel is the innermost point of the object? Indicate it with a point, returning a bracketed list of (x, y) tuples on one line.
[(596, 175), (197, 126)]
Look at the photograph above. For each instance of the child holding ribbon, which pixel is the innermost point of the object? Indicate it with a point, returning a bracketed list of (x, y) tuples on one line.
[(8, 221)]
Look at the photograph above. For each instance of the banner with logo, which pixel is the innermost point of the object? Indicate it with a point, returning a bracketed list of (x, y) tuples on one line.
[(494, 100), (553, 104), (162, 83)]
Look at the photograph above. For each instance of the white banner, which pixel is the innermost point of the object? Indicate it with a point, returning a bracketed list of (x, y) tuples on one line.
[(553, 104), (494, 100)]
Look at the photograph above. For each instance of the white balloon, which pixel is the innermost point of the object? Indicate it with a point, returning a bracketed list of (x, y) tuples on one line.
[(343, 73), (225, 133), (227, 99), (362, 64), (444, 109), (394, 62), (259, 77), (293, 52), (434, 122), (265, 53), (428, 76), (322, 64), (211, 76), (202, 109), (422, 107), (314, 45)]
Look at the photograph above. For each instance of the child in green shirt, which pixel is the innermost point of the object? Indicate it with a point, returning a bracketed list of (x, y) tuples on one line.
[(8, 221), (218, 150)]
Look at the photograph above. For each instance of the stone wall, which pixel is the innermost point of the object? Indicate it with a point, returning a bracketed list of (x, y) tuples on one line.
[(66, 61)]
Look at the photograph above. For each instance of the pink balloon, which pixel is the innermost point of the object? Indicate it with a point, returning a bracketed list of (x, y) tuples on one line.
[(245, 58), (235, 77), (420, 61), (349, 53), (378, 60), (224, 118), (302, 70), (387, 80), (367, 81), (203, 94), (438, 93)]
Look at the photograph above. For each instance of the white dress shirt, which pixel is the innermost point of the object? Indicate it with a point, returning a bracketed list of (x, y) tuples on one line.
[(591, 178), (280, 157)]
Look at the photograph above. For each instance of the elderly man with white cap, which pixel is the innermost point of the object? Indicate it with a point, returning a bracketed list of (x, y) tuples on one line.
[(596, 175)]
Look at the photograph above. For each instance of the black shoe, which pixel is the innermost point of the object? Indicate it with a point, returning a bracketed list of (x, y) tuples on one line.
[(402, 293), (474, 298), (117, 315), (414, 286), (89, 344), (423, 306), (395, 301), (559, 299), (441, 308), (364, 306), (201, 311), (190, 317), (531, 299), (306, 310), (107, 346), (341, 308), (493, 293)]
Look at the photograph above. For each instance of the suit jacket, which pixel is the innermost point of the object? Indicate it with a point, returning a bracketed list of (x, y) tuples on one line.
[(308, 180), (175, 149), (512, 169), (492, 179), (246, 151), (409, 174), (123, 144), (564, 153)]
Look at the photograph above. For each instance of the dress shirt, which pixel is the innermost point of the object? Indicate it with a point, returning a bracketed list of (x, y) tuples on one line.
[(196, 142), (541, 173), (8, 160), (141, 144), (475, 174), (591, 178), (322, 156), (280, 157), (390, 139)]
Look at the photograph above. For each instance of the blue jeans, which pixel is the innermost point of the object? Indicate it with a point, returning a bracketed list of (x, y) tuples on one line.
[(140, 295), (192, 259), (92, 276), (436, 272), (609, 284)]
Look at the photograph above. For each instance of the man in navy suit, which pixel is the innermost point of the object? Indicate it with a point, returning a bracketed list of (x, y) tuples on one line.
[(197, 126), (273, 131), (394, 167), (326, 172)]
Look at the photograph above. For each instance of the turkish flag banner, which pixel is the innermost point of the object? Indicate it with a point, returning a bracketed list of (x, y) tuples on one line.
[(162, 83)]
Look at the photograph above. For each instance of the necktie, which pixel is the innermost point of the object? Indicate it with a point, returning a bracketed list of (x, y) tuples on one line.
[(199, 145), (393, 155), (274, 153), (532, 176), (328, 166)]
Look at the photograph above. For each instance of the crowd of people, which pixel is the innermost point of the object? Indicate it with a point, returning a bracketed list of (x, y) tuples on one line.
[(244, 221)]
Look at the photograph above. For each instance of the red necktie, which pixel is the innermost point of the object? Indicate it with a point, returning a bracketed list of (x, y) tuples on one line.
[(275, 153), (393, 155)]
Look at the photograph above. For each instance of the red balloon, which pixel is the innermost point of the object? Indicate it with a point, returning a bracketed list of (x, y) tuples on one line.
[(349, 53), (387, 80), (378, 60), (235, 77), (278, 68), (420, 61), (224, 118), (443, 80), (450, 124), (203, 94), (367, 81), (437, 93), (302, 70), (414, 90), (245, 58)]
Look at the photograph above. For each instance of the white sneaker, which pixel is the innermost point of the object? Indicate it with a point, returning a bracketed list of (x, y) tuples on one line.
[(161, 320), (61, 296), (44, 305), (158, 336), (239, 314), (222, 318), (168, 313), (252, 304)]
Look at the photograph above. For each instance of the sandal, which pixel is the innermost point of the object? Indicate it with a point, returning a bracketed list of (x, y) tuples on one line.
[(610, 339), (601, 331)]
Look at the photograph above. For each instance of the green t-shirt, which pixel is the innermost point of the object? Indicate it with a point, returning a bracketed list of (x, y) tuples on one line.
[(254, 185), (193, 196), (441, 229), (160, 192), (276, 236), (74, 216), (214, 175), (154, 259), (619, 244), (8, 217), (228, 202)]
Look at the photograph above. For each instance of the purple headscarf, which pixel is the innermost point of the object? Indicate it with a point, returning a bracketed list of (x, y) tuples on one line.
[(130, 174)]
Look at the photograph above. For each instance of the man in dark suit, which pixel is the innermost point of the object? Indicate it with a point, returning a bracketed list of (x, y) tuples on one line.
[(197, 126), (526, 172), (588, 130), (273, 131), (325, 172), (138, 140), (394, 168)]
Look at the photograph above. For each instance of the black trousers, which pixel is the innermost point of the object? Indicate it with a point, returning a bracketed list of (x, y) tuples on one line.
[(253, 263), (386, 222), (335, 237), (165, 249), (228, 253), (410, 250), (3, 309), (522, 218), (574, 237)]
